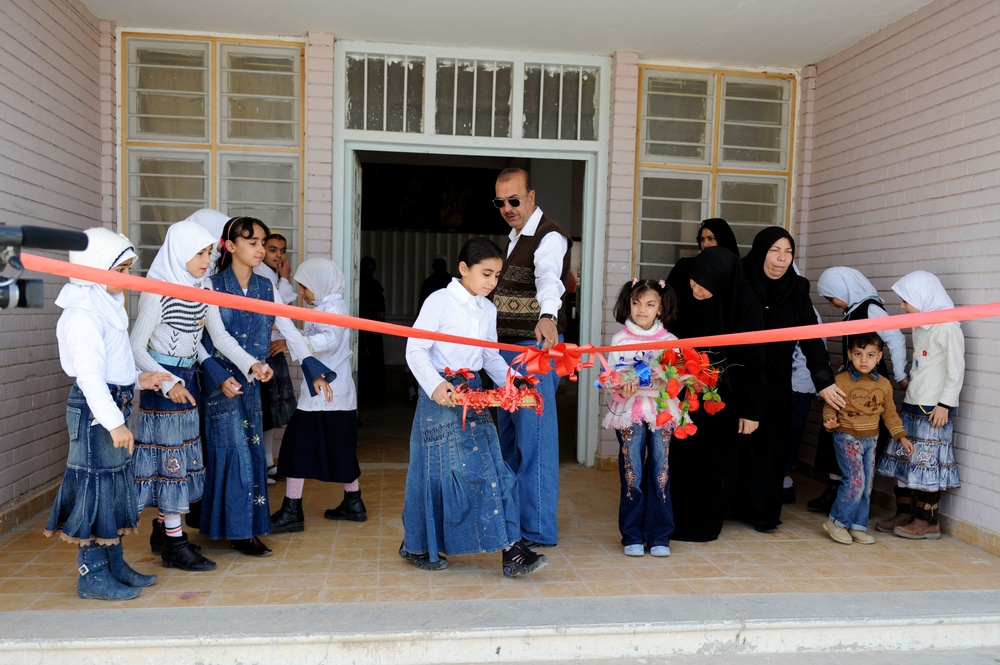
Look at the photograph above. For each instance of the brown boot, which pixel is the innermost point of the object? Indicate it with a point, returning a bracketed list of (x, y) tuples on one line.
[(904, 511), (925, 525)]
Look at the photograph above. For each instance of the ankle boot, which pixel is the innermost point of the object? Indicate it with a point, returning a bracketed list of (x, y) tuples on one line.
[(123, 572), (179, 553), (351, 508), (290, 519), (904, 511), (96, 580), (193, 517), (824, 502), (156, 536), (925, 524)]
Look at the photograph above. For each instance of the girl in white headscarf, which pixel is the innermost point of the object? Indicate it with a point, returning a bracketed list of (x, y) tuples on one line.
[(214, 222), (936, 379), (169, 462), (321, 440), (96, 503)]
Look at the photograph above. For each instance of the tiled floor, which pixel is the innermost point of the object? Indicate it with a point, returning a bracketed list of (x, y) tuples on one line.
[(344, 562)]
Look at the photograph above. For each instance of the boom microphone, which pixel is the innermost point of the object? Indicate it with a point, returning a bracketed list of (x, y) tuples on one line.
[(41, 237)]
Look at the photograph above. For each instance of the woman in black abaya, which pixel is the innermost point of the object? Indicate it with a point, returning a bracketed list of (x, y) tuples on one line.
[(716, 300), (784, 298)]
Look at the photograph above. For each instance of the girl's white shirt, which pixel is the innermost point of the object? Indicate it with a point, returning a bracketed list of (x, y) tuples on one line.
[(282, 288), (331, 345), (454, 311), (92, 334), (938, 369)]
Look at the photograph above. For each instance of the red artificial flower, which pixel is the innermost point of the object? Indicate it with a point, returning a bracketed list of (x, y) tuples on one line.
[(692, 400), (662, 418), (669, 358), (673, 388), (714, 406), (686, 430)]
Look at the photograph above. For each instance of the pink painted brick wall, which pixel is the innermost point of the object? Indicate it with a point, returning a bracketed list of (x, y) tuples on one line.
[(900, 136), (621, 199), (318, 177), (57, 107)]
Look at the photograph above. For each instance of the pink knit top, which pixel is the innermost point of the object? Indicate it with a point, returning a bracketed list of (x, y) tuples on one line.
[(641, 407)]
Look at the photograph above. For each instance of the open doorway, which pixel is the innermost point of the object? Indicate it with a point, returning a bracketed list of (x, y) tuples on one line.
[(416, 208)]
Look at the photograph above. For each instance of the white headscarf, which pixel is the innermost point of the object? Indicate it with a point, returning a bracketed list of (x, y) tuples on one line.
[(105, 250), (846, 284), (183, 241), (324, 278), (924, 291), (214, 222)]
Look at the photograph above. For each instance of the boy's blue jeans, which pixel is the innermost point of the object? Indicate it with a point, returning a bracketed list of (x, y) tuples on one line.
[(856, 456)]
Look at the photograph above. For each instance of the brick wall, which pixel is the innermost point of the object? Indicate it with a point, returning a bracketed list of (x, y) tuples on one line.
[(618, 241), (319, 145), (53, 119), (903, 174)]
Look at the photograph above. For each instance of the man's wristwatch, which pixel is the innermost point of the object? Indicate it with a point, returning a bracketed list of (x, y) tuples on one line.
[(551, 317)]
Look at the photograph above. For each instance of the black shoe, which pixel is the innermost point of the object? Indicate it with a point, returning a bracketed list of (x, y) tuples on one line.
[(251, 547), (423, 561), (157, 536), (351, 508), (765, 526), (179, 553), (520, 560), (788, 494), (290, 518), (531, 544), (824, 502)]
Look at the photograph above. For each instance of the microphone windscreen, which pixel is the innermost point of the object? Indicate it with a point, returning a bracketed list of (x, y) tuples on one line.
[(41, 237)]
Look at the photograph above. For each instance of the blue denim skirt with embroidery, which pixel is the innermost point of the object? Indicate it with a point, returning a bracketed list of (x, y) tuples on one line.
[(460, 495), (96, 501), (931, 467), (168, 462)]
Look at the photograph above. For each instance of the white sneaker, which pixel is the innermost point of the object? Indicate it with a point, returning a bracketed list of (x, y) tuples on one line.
[(635, 550), (659, 550)]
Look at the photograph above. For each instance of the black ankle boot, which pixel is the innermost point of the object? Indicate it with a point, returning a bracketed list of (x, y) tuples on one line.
[(179, 553), (193, 518), (824, 502), (290, 518), (156, 537), (351, 508)]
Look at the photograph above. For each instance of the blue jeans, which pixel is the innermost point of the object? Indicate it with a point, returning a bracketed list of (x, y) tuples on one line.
[(530, 446), (645, 513), (856, 456)]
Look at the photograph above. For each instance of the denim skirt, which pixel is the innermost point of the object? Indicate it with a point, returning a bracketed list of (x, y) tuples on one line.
[(96, 501), (234, 503), (277, 396), (460, 495), (168, 462), (931, 467)]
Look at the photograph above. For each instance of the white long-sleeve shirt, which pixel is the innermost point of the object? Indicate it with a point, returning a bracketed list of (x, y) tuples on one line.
[(549, 256), (331, 345), (96, 353), (284, 292), (893, 339), (454, 311), (174, 328), (938, 369)]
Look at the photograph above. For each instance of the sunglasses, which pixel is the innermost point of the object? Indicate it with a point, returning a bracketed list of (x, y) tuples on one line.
[(514, 202)]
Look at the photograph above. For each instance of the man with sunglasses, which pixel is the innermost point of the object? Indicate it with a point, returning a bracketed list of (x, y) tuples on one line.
[(528, 299)]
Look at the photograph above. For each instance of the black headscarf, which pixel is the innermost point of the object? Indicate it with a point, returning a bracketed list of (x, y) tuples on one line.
[(717, 270), (724, 235), (769, 291)]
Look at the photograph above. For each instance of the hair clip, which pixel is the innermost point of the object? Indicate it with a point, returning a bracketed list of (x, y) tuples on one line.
[(635, 280), (663, 284)]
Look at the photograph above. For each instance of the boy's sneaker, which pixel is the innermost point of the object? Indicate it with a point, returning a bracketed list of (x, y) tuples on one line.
[(837, 532), (423, 561), (637, 549), (519, 560), (862, 537), (659, 550)]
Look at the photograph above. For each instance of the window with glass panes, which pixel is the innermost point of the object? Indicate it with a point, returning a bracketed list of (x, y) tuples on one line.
[(710, 144), (210, 124)]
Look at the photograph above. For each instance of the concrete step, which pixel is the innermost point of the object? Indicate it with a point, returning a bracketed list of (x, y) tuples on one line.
[(742, 629)]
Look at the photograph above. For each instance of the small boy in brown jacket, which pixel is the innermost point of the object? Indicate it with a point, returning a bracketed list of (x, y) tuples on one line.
[(855, 431)]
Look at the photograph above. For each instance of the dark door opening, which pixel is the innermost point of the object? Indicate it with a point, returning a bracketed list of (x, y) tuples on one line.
[(416, 208)]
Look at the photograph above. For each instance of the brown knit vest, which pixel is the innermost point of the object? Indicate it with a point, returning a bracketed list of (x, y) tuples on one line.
[(514, 297)]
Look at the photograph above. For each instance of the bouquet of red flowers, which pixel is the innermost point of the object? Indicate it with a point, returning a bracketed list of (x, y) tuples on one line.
[(692, 373)]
